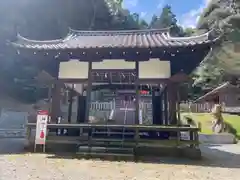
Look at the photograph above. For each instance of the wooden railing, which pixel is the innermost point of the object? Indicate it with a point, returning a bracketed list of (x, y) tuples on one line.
[(102, 105), (111, 105)]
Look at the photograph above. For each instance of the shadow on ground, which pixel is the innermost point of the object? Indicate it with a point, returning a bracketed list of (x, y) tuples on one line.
[(213, 156)]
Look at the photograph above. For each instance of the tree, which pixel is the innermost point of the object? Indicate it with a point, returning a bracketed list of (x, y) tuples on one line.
[(167, 19), (189, 31), (223, 17)]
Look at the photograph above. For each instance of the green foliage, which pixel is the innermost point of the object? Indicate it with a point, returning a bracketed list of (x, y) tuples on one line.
[(166, 19), (189, 32), (223, 61)]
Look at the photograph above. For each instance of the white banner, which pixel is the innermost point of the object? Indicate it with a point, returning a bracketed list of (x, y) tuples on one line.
[(41, 128)]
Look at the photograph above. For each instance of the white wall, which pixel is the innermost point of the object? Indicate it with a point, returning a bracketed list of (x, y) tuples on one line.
[(154, 68)]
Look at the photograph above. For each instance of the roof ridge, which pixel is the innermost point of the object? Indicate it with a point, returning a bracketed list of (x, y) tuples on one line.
[(137, 31), (214, 90)]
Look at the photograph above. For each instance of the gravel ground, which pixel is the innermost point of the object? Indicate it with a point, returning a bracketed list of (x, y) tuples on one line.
[(220, 162)]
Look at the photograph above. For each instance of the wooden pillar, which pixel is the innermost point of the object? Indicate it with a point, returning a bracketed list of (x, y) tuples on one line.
[(178, 107), (157, 107), (172, 100), (89, 90), (81, 110), (137, 84), (49, 98), (53, 70), (165, 104), (154, 117), (56, 100), (70, 103)]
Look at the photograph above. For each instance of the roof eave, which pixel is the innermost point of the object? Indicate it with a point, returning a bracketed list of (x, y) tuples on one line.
[(214, 91)]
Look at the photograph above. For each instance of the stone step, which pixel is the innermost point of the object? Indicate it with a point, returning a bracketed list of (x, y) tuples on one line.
[(100, 149), (106, 152), (112, 156)]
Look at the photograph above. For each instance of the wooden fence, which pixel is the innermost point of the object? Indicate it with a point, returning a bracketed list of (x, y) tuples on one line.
[(196, 107), (206, 107)]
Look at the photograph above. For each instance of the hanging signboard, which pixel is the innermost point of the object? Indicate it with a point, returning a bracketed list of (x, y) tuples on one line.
[(41, 127)]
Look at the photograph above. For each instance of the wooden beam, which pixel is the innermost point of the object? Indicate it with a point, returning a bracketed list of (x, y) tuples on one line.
[(118, 126)]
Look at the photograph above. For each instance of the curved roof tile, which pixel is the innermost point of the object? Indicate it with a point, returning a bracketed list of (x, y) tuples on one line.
[(150, 38)]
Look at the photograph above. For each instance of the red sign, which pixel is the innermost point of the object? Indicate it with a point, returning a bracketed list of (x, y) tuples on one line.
[(144, 92), (42, 112)]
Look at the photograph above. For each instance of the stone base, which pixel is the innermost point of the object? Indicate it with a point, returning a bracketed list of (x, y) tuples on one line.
[(222, 138)]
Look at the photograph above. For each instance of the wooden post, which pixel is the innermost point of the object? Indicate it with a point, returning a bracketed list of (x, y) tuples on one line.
[(50, 97), (137, 93), (178, 108), (191, 134), (172, 98), (81, 109), (165, 101), (153, 106), (70, 100), (157, 107), (81, 103), (89, 89), (56, 99)]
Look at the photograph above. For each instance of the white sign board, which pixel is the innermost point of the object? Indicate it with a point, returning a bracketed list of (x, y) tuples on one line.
[(41, 128), (185, 135)]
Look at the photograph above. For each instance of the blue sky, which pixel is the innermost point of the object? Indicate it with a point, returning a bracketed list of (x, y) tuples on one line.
[(187, 11)]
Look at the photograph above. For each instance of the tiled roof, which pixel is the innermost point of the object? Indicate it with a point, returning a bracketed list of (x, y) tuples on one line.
[(113, 39), (215, 91)]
